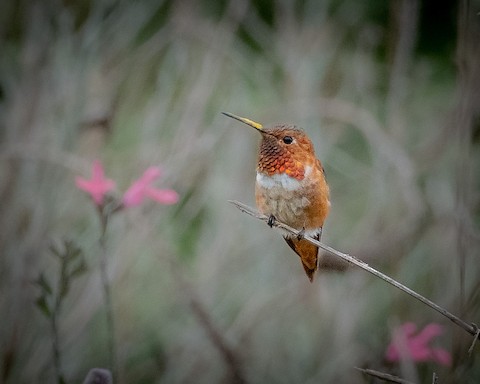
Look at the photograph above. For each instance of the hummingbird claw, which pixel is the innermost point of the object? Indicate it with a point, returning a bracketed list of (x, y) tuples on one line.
[(271, 221), (301, 234)]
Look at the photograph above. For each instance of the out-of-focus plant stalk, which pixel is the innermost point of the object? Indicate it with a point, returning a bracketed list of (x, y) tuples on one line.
[(55, 312), (107, 293), (72, 265), (55, 339)]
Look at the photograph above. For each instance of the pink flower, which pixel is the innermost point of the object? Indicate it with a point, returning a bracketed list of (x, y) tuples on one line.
[(407, 344), (141, 188), (98, 185)]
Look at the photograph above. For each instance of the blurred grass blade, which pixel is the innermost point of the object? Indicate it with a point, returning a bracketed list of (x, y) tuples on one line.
[(79, 270), (44, 285)]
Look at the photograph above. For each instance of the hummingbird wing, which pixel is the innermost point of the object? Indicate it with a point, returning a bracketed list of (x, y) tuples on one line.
[(307, 251)]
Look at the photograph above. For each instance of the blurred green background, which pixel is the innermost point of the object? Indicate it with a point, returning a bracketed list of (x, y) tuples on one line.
[(388, 91)]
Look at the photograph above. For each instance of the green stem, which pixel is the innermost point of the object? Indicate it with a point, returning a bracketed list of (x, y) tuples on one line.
[(107, 295), (56, 351), (55, 332)]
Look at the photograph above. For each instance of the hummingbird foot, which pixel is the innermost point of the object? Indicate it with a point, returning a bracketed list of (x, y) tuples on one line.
[(271, 221), (301, 234)]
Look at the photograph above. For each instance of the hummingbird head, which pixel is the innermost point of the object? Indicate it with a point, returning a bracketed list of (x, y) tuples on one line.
[(284, 149)]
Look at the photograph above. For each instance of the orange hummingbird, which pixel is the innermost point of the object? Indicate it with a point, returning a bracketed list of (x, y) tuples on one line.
[(291, 186)]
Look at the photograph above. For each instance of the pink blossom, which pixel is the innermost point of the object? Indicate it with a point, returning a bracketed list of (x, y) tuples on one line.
[(98, 185), (141, 188), (407, 343)]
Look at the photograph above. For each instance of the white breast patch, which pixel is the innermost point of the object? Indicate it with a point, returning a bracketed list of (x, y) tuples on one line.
[(281, 180), (278, 180)]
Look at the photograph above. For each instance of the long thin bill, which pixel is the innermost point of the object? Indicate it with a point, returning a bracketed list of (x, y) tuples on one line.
[(244, 120)]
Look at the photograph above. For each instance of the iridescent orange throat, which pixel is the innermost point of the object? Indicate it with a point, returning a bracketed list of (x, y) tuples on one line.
[(276, 160)]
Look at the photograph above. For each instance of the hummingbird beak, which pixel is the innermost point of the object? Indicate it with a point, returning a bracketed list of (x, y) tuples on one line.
[(249, 122)]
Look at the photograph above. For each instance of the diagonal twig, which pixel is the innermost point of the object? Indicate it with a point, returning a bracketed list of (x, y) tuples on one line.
[(470, 328), (227, 352), (384, 376)]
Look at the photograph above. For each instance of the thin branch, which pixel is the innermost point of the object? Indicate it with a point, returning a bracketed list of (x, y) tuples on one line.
[(470, 328), (384, 376), (474, 341)]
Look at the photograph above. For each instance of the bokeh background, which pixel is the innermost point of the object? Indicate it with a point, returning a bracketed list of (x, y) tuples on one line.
[(388, 91)]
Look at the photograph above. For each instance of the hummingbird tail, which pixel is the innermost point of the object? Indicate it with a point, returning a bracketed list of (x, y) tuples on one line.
[(308, 253), (309, 271)]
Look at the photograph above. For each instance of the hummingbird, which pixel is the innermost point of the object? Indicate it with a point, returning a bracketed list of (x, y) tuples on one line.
[(291, 186)]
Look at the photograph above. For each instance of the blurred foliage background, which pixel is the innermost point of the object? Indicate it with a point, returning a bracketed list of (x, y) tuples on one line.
[(388, 91)]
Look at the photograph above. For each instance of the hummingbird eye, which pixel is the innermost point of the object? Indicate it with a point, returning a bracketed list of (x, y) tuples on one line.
[(288, 139)]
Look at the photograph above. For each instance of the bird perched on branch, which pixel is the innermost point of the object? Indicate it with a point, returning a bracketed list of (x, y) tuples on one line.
[(291, 186)]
